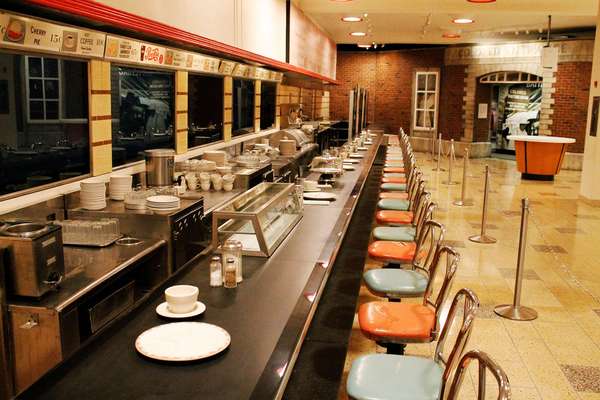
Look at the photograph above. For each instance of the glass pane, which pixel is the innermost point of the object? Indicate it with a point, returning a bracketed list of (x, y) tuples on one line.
[(37, 151), (267, 104), (142, 112), (430, 81), (421, 100), (421, 82), (430, 105), (75, 102), (51, 109), (243, 106), (35, 66), (205, 109), (36, 89), (420, 119), (51, 88), (430, 118), (512, 76), (36, 110), (50, 68)]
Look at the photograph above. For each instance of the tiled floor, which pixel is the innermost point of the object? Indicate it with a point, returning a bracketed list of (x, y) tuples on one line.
[(556, 356)]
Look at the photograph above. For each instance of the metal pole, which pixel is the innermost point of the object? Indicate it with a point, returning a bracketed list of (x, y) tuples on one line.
[(439, 157), (516, 311), (451, 159), (483, 237), (432, 145), (463, 201)]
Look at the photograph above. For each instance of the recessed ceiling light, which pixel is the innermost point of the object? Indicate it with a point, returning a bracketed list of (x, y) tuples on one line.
[(364, 46), (358, 34), (344, 1), (481, 1), (451, 35), (462, 21), (352, 19)]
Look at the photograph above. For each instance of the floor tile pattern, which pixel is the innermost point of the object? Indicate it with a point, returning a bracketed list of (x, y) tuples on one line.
[(556, 356)]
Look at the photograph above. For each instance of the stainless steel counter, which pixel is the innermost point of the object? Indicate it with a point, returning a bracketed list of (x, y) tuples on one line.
[(87, 268), (267, 317)]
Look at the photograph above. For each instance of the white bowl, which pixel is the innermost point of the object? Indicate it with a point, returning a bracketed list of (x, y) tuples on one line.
[(181, 298)]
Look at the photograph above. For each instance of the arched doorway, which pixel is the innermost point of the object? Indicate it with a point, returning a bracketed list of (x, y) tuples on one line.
[(507, 103)]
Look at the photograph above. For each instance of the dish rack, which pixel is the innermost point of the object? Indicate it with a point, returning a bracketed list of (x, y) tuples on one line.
[(93, 233)]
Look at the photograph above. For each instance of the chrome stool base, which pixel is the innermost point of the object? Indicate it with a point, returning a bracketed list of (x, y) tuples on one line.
[(460, 203), (516, 313)]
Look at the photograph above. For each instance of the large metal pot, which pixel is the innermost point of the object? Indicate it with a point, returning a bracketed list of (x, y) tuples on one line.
[(160, 167)]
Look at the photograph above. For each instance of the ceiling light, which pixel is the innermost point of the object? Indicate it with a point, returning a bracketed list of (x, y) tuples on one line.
[(451, 35), (481, 1), (364, 46), (351, 19), (358, 34), (344, 1), (365, 15), (463, 21)]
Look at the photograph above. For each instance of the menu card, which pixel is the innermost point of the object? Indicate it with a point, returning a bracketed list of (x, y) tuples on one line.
[(28, 33)]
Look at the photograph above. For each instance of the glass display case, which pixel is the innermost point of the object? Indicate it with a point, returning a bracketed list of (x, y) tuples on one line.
[(259, 218)]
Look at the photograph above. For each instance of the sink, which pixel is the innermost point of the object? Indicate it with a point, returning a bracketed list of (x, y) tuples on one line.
[(28, 229)]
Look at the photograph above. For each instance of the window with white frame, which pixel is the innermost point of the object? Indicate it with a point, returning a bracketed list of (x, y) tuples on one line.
[(426, 100), (43, 88)]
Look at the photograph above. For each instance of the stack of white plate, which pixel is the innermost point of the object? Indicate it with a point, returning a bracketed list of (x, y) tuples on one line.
[(119, 186), (93, 194), (162, 203)]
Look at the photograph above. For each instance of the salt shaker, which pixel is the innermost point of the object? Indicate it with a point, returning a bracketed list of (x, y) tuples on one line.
[(216, 271), (230, 274)]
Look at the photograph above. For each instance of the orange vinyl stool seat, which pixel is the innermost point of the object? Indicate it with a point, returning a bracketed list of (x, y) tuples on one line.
[(395, 252), (394, 195), (384, 321), (393, 169), (393, 180), (394, 217)]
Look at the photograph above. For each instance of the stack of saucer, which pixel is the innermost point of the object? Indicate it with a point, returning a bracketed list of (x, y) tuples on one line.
[(93, 194), (162, 203), (119, 186)]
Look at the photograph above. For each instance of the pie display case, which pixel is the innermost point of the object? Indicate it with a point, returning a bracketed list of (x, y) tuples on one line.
[(260, 218)]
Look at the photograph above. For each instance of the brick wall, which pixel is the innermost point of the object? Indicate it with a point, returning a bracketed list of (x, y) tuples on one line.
[(571, 102), (388, 78)]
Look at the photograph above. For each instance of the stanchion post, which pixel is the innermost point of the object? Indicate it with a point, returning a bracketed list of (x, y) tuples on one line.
[(483, 237), (451, 159), (439, 154), (463, 201), (432, 132), (516, 311)]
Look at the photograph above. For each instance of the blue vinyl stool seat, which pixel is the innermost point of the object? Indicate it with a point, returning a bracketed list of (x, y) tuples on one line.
[(394, 186), (395, 233), (394, 175), (395, 283), (393, 377), (393, 204)]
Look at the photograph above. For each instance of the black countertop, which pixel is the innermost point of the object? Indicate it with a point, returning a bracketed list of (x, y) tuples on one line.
[(267, 317)]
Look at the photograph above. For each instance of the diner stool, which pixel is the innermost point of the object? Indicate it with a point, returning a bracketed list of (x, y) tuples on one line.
[(392, 217), (393, 204), (395, 233), (393, 180), (485, 366), (393, 169), (389, 376), (394, 175), (394, 186), (393, 195), (400, 283)]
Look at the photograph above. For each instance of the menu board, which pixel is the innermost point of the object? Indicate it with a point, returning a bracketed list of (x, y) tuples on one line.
[(31, 34), (310, 47), (21, 32)]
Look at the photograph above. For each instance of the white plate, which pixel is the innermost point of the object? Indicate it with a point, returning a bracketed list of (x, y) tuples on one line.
[(320, 196), (162, 199), (349, 168), (362, 148), (350, 161), (356, 155), (162, 209), (312, 190), (163, 310), (183, 341)]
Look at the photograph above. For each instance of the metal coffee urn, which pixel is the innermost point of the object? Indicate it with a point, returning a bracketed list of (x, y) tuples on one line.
[(159, 167)]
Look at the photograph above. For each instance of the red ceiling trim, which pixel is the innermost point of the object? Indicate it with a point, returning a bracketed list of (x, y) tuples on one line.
[(122, 19)]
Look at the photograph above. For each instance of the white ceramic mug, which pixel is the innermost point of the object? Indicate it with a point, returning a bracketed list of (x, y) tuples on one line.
[(181, 299)]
